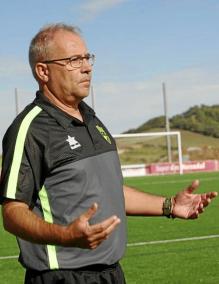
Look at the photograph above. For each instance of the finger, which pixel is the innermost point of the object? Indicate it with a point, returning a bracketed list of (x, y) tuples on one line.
[(207, 197), (193, 186), (90, 212), (104, 225), (212, 194), (201, 205), (201, 208), (95, 244), (194, 215), (103, 235), (206, 202)]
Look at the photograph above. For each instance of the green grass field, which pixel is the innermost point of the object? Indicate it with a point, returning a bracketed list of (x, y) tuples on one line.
[(182, 259)]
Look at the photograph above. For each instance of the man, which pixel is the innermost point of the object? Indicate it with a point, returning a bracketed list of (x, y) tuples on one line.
[(61, 181)]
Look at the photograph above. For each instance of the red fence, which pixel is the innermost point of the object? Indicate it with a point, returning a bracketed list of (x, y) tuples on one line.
[(170, 168)]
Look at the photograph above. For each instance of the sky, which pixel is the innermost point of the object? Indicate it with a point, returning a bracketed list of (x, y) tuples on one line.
[(139, 44)]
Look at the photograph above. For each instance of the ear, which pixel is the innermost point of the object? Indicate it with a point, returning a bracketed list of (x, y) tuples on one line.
[(42, 72)]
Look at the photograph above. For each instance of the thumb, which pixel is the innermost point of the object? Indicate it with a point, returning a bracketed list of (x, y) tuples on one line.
[(90, 212), (193, 186)]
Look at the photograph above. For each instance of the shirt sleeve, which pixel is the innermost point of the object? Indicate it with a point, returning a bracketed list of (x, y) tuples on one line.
[(17, 175)]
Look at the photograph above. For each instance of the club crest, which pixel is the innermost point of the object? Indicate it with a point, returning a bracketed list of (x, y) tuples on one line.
[(103, 133)]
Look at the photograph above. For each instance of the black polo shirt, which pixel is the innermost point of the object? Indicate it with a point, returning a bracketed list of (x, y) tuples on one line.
[(60, 166)]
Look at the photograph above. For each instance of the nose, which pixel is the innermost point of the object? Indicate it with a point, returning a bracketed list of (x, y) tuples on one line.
[(86, 67)]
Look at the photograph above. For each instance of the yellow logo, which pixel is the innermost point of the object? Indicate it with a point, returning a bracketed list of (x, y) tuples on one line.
[(103, 133)]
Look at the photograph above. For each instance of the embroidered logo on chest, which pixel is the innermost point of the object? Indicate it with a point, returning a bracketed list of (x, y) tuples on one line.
[(103, 133), (73, 143)]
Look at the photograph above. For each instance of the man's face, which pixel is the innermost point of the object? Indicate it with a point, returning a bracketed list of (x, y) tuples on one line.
[(68, 86)]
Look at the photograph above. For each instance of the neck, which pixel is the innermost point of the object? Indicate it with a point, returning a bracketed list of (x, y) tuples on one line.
[(71, 109)]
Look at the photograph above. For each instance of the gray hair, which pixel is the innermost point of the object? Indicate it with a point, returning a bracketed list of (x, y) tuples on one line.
[(40, 45)]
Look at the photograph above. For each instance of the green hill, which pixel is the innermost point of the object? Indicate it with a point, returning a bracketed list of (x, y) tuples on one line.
[(199, 119)]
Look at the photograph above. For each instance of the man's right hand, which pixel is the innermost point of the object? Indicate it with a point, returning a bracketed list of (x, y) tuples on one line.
[(19, 220), (81, 234)]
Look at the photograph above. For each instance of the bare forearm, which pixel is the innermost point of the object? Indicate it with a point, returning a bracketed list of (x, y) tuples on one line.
[(140, 203), (22, 222)]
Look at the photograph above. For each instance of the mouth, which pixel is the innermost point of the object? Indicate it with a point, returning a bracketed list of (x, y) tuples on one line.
[(85, 83)]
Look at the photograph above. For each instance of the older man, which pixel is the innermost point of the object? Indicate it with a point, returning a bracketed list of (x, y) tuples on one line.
[(61, 187)]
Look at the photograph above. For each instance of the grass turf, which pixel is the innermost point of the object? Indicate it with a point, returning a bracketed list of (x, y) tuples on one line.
[(186, 262), (177, 262)]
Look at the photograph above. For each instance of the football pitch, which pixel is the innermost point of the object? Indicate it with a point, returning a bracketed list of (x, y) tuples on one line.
[(160, 250)]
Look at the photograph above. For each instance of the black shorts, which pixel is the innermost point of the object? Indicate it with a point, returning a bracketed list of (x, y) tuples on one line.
[(94, 274)]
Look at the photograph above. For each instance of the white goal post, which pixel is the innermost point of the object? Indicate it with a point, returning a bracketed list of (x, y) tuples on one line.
[(159, 134)]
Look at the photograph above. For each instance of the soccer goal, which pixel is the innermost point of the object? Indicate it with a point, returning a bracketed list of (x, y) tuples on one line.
[(140, 150)]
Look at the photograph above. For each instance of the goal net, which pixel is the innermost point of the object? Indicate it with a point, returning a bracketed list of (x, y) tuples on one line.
[(142, 152)]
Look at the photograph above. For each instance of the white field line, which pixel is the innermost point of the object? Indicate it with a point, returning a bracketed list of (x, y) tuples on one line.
[(147, 243), (173, 241), (8, 257), (179, 181)]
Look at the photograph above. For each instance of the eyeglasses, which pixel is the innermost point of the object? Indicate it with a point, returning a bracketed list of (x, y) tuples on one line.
[(74, 61)]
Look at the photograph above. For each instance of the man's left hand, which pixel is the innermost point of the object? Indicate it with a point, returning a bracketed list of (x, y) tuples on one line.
[(187, 205)]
